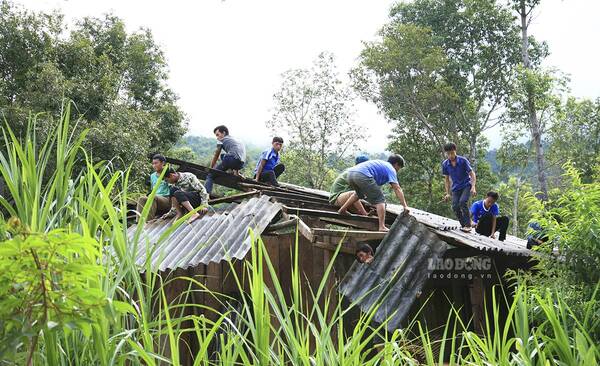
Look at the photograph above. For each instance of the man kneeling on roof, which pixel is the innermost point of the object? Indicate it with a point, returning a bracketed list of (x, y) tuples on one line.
[(268, 167), (340, 189), (186, 193), (485, 217), (366, 178)]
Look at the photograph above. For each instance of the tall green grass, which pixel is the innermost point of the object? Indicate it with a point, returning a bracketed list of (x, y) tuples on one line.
[(54, 184)]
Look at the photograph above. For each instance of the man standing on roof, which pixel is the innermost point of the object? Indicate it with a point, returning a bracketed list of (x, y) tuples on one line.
[(268, 167), (233, 158), (485, 216), (186, 194), (366, 179), (161, 202), (457, 171)]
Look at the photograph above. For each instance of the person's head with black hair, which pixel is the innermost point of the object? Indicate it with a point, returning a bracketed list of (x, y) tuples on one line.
[(277, 143), (491, 197), (171, 175), (158, 162), (397, 161), (450, 150), (364, 253), (220, 132)]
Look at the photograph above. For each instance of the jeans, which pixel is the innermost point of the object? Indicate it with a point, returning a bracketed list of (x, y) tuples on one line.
[(484, 227), (227, 162), (460, 205), (271, 176)]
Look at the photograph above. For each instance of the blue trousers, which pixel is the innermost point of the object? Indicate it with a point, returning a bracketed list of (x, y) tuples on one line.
[(460, 205), (227, 162)]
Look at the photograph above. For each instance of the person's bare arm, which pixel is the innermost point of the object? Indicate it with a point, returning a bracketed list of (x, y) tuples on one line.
[(493, 235), (215, 157), (473, 181), (260, 169), (400, 194), (447, 187)]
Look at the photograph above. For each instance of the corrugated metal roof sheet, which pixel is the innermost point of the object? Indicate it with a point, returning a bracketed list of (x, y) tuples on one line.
[(397, 274), (222, 235), (448, 228)]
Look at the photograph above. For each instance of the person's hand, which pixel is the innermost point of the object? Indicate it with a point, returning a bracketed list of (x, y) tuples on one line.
[(446, 197), (169, 215), (493, 236), (405, 211), (473, 191)]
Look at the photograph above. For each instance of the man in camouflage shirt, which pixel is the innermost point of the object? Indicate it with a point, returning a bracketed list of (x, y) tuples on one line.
[(186, 193)]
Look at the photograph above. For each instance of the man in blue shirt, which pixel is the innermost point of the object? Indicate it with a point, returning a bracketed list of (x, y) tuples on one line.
[(161, 202), (268, 168), (367, 177), (485, 217), (458, 173), (535, 235)]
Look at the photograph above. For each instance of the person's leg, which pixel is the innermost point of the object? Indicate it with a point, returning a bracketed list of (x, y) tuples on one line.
[(209, 177), (269, 178), (278, 170), (163, 205), (349, 202), (358, 206), (381, 216), (502, 227), (140, 207), (484, 227), (463, 205), (456, 206), (189, 201)]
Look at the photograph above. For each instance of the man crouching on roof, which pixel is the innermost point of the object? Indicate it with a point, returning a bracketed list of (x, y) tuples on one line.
[(187, 193), (366, 178)]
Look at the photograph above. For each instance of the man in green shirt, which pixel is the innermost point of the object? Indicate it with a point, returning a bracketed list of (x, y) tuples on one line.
[(161, 202)]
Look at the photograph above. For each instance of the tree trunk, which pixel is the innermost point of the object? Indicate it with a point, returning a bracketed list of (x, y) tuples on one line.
[(473, 152), (534, 123), (515, 213)]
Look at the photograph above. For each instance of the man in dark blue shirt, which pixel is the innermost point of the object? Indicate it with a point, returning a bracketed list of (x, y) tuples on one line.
[(486, 217), (458, 173)]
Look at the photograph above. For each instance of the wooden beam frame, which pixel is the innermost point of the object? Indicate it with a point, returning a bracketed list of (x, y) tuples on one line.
[(320, 213), (333, 247), (354, 234), (234, 198)]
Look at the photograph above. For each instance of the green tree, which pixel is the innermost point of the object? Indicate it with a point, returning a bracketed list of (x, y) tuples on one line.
[(315, 110), (575, 136), (571, 220), (117, 80), (444, 65)]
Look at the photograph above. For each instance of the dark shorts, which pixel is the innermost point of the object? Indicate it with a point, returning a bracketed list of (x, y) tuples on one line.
[(366, 187)]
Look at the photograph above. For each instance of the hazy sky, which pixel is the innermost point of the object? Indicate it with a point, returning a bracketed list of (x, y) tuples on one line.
[(226, 57)]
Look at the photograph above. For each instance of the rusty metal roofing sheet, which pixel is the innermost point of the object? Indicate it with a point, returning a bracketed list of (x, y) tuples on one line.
[(222, 235), (397, 274), (448, 228)]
